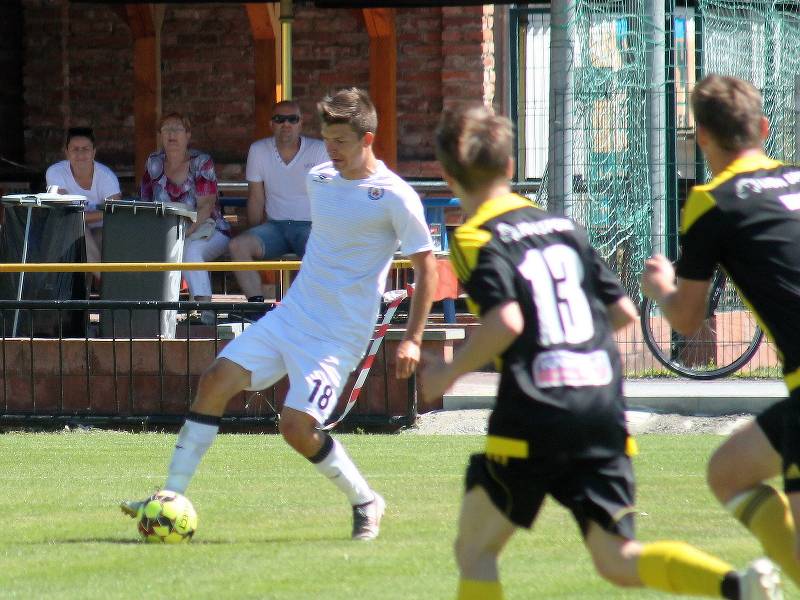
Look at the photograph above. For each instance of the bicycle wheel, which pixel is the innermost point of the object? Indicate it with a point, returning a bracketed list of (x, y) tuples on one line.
[(727, 340)]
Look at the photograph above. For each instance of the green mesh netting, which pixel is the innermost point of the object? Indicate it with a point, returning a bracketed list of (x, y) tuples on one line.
[(759, 41), (612, 194), (613, 201)]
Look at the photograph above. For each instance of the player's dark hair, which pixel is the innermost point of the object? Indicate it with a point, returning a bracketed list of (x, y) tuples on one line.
[(351, 106), (730, 109), (74, 132), (473, 144)]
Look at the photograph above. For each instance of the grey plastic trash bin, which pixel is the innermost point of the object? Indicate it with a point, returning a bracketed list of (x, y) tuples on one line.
[(43, 228), (136, 231)]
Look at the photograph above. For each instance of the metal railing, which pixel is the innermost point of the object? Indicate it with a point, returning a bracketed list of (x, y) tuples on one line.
[(100, 377)]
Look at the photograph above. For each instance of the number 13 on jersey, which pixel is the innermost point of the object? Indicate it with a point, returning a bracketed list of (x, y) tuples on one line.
[(556, 277)]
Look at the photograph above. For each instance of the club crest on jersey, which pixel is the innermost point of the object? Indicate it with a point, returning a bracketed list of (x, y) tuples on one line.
[(375, 193)]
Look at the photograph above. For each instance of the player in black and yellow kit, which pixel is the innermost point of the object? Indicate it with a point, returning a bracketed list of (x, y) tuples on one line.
[(548, 307), (747, 220)]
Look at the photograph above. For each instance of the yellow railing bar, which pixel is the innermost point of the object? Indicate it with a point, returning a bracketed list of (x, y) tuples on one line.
[(267, 265)]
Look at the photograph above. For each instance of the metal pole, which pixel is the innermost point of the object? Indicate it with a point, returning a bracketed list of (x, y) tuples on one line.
[(656, 122), (286, 19), (797, 118), (562, 50), (22, 273)]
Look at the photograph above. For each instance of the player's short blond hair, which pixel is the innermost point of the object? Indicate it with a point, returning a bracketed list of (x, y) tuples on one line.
[(474, 145), (730, 110), (350, 106)]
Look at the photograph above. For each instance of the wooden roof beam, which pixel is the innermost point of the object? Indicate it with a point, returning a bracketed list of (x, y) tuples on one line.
[(380, 24), (265, 27), (145, 21)]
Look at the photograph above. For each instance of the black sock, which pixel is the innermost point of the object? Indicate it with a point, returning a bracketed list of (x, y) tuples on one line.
[(204, 419), (327, 446), (255, 299), (730, 586)]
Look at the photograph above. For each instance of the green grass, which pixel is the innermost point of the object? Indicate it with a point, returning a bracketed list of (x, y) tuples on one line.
[(271, 527)]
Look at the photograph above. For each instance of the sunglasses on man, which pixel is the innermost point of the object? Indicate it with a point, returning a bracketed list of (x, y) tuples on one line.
[(293, 119)]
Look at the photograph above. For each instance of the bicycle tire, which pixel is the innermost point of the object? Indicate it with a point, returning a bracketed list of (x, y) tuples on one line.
[(698, 356)]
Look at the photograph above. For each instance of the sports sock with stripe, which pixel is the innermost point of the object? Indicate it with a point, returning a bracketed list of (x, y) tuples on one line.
[(680, 568), (765, 512), (472, 589), (194, 439), (333, 462)]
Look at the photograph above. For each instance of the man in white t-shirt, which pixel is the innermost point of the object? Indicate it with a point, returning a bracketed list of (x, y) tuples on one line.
[(278, 210), (81, 174), (361, 212)]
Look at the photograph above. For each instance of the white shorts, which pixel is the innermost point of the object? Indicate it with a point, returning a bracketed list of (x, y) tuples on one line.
[(317, 369)]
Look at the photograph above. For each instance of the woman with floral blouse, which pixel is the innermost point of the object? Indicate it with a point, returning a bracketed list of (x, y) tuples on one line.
[(177, 173)]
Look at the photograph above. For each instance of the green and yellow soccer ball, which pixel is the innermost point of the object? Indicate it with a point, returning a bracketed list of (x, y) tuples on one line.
[(167, 517)]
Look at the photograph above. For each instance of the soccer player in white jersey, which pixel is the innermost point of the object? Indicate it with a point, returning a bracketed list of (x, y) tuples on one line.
[(361, 211)]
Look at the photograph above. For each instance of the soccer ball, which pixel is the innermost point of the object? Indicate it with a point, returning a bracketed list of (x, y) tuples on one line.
[(167, 517)]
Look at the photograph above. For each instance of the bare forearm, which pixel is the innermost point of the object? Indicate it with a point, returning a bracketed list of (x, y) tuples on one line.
[(427, 279), (622, 313), (255, 216), (682, 319), (205, 204), (256, 204)]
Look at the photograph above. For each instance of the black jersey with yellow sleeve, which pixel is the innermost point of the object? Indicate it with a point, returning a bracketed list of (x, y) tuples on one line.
[(747, 219), (560, 384)]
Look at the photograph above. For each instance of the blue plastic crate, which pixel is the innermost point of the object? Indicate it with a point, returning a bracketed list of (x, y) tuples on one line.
[(434, 215)]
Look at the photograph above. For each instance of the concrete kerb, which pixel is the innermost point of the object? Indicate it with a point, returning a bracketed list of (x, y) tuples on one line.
[(681, 396)]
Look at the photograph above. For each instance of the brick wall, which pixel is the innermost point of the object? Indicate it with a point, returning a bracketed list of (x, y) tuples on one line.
[(78, 71), (208, 74)]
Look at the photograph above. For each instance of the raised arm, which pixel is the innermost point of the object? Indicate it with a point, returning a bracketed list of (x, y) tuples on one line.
[(683, 303), (622, 313)]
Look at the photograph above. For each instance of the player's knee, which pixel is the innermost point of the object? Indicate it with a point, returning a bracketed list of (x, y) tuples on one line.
[(615, 560), (216, 384), (473, 559), (299, 435), (612, 567), (718, 477)]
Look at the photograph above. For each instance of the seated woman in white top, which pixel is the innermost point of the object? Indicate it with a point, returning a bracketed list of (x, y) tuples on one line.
[(81, 174)]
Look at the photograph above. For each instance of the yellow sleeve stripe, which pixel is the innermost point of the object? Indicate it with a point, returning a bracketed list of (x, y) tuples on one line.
[(792, 379), (506, 447), (698, 204), (457, 260), (473, 307), (470, 241), (497, 206)]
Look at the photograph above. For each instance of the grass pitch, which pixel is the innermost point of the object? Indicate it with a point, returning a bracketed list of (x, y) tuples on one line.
[(271, 527)]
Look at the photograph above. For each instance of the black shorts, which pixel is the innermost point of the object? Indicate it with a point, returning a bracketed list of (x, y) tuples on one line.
[(781, 424), (597, 489)]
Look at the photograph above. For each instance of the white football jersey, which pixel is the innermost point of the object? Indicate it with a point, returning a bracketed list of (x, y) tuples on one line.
[(357, 226)]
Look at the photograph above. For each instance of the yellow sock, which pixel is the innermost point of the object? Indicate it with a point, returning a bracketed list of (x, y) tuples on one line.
[(765, 512), (472, 589), (680, 568)]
